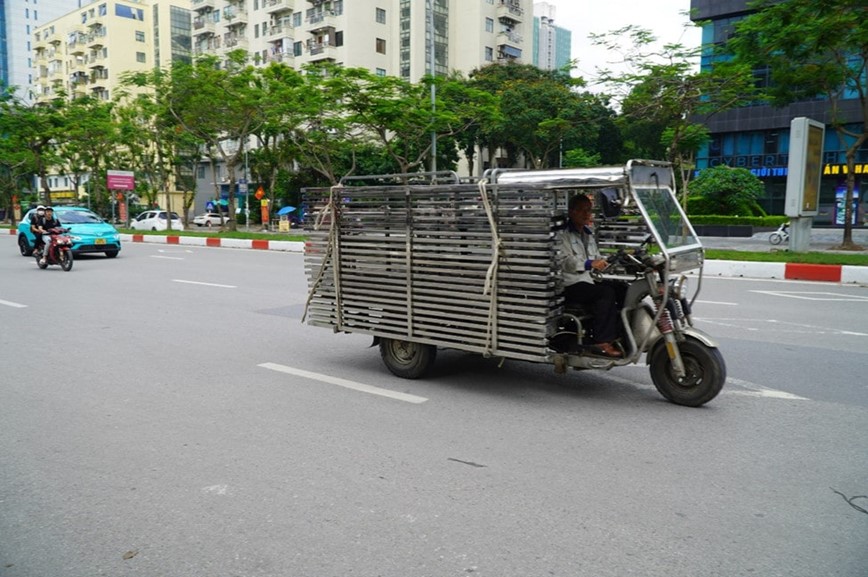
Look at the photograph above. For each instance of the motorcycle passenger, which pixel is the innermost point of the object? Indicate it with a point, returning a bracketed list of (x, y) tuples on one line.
[(36, 220), (49, 222), (580, 257)]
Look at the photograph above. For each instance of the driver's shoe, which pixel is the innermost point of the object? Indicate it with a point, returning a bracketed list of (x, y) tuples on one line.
[(608, 350)]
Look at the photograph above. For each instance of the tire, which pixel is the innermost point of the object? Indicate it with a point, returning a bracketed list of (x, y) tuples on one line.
[(406, 359), (705, 368), (24, 246), (66, 260), (775, 238), (111, 253)]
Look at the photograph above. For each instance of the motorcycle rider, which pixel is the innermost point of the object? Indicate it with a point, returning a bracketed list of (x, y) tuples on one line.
[(580, 257), (36, 220), (48, 222)]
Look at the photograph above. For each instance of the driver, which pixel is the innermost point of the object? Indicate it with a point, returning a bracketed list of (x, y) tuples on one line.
[(48, 223), (580, 257)]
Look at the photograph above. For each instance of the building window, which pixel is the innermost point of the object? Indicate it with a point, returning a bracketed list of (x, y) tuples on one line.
[(296, 49), (489, 53), (381, 71), (296, 20), (489, 24), (140, 57), (140, 36), (381, 46), (339, 38), (381, 16)]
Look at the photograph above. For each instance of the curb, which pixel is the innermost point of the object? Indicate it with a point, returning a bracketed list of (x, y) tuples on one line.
[(788, 271), (253, 244)]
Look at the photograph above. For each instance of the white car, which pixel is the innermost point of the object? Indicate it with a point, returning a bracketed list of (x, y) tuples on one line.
[(156, 220), (209, 219)]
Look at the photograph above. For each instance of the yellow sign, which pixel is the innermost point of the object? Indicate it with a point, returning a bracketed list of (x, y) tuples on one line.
[(833, 169)]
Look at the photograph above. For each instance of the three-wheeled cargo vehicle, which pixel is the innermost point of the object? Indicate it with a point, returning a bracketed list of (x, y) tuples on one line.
[(439, 263)]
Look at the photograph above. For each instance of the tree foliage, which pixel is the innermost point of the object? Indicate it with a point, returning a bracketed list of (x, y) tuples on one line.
[(811, 49)]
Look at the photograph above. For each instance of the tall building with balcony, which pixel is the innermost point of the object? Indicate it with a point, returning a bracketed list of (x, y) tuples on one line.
[(551, 44), (388, 37), (85, 52), (18, 19), (757, 137)]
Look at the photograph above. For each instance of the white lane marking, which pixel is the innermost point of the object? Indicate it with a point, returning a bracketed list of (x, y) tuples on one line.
[(166, 257), (204, 283), (753, 389), (815, 296), (717, 303), (778, 326), (216, 489), (761, 391), (13, 305), (170, 251), (344, 383)]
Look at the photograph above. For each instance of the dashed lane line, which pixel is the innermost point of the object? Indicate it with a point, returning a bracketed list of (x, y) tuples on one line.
[(204, 283), (361, 387), (12, 304)]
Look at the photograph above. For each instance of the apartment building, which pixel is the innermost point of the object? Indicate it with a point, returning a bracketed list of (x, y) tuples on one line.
[(551, 44), (18, 20), (388, 37), (85, 51)]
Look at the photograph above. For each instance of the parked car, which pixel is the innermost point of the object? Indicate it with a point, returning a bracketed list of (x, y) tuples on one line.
[(88, 231), (156, 220), (209, 219)]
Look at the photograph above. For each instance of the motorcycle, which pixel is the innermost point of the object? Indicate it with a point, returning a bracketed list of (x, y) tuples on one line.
[(58, 250), (782, 234)]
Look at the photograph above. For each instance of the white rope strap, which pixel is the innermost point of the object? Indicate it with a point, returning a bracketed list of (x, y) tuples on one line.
[(490, 287)]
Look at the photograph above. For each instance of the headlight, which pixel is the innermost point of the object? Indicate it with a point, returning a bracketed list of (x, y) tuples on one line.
[(75, 238), (680, 287)]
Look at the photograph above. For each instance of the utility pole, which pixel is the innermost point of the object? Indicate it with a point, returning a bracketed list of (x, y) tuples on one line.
[(433, 86)]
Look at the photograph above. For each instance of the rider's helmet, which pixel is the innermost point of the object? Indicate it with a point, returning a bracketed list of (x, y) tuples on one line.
[(49, 208), (40, 209)]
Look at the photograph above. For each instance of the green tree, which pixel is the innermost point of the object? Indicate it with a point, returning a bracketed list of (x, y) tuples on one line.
[(812, 49), (726, 191), (16, 161), (663, 98), (220, 104), (542, 113)]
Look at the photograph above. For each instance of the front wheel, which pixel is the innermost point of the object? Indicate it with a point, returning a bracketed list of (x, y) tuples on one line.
[(66, 260), (406, 359), (111, 253), (705, 373), (775, 238)]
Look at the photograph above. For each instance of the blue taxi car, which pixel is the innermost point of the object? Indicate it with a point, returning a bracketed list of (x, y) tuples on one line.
[(88, 231)]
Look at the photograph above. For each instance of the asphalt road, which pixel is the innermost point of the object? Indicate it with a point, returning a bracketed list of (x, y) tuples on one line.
[(186, 423)]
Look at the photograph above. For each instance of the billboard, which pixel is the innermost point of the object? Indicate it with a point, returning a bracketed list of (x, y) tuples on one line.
[(804, 168)]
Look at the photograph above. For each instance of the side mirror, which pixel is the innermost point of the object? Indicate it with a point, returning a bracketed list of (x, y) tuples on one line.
[(609, 202)]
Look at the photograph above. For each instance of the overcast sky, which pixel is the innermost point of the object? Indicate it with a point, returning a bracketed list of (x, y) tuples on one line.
[(582, 17)]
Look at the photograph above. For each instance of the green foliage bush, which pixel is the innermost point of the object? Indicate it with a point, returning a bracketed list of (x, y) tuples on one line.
[(725, 191)]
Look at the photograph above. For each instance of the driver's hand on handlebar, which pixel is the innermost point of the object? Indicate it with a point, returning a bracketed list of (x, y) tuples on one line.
[(599, 264)]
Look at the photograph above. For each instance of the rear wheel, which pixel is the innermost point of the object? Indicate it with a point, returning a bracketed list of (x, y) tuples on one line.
[(66, 260), (111, 253), (24, 246), (406, 359), (705, 373)]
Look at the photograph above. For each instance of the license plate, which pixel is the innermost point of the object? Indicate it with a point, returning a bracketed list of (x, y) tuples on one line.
[(100, 241)]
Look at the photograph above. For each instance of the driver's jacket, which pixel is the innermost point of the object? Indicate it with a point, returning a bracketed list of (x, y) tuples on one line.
[(578, 249)]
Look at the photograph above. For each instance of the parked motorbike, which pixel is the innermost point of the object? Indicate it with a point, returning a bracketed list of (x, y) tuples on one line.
[(57, 250), (780, 235)]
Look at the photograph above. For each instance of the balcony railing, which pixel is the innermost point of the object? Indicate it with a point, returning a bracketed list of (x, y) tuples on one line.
[(276, 6)]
